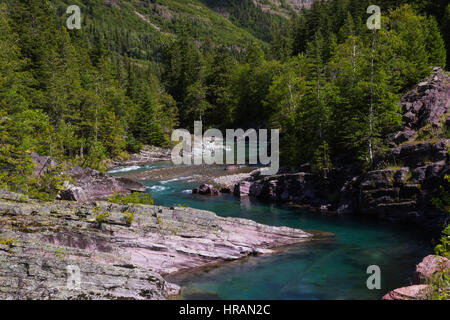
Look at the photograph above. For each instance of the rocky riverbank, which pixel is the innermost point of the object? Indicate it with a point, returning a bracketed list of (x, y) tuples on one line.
[(403, 180), (148, 154), (426, 272), (84, 184), (118, 251)]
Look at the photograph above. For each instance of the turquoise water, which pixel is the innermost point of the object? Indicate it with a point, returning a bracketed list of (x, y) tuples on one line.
[(327, 269)]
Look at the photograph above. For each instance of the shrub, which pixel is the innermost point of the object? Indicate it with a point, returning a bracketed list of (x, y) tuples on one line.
[(8, 242), (129, 217), (137, 198), (443, 248), (440, 286), (100, 216)]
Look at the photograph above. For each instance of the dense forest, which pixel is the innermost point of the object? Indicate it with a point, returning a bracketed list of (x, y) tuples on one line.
[(331, 85)]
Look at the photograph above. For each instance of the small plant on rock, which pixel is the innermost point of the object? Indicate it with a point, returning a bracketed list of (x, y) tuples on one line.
[(8, 243), (136, 198), (100, 216), (129, 217)]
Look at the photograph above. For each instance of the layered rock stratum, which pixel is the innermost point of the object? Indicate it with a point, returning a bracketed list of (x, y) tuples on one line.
[(100, 250)]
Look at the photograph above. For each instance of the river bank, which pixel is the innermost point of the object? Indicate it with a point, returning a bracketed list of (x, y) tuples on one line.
[(116, 258)]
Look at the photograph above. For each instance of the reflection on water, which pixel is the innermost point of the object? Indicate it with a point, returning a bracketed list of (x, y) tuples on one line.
[(326, 269)]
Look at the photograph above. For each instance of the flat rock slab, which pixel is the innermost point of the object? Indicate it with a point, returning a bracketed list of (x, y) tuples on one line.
[(117, 260)]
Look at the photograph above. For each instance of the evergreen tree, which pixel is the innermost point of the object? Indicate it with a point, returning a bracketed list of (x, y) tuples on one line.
[(219, 88)]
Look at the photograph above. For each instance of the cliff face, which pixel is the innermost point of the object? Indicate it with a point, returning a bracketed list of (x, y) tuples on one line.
[(411, 173), (406, 178), (45, 246)]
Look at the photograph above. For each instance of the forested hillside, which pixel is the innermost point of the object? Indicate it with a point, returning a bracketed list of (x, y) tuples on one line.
[(138, 69)]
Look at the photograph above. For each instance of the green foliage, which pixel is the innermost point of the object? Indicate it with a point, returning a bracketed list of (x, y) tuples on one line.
[(129, 217), (245, 14), (100, 215), (47, 185), (440, 285), (134, 72), (135, 197), (133, 145), (60, 253), (443, 202), (322, 159), (443, 248), (8, 242)]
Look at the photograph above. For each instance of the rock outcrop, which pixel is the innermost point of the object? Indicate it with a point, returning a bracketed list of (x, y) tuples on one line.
[(300, 187), (148, 154), (430, 267), (69, 250), (415, 292), (206, 190), (427, 105), (412, 171), (87, 184), (404, 192), (90, 185)]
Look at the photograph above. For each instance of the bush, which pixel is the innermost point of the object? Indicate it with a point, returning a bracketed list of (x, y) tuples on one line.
[(8, 242), (440, 286), (443, 249), (138, 198), (129, 217), (100, 216)]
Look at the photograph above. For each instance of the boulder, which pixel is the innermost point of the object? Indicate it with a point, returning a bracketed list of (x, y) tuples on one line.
[(429, 266), (91, 185), (42, 164), (415, 292), (206, 190), (242, 189), (226, 190), (87, 184)]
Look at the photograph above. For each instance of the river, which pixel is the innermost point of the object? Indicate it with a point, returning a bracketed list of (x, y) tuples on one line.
[(327, 269)]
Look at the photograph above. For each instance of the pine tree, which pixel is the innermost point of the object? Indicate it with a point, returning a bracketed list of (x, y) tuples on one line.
[(218, 84), (435, 43), (146, 127)]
